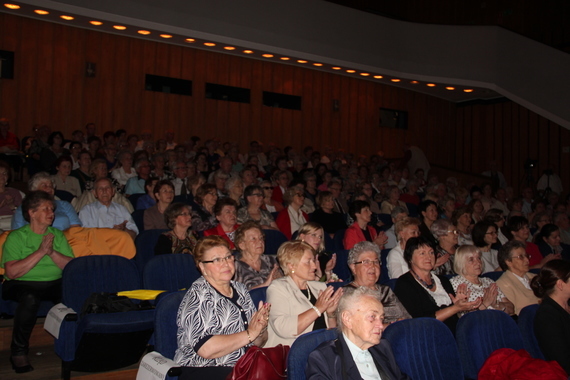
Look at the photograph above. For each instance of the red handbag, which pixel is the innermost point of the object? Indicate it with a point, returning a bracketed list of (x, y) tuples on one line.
[(262, 364)]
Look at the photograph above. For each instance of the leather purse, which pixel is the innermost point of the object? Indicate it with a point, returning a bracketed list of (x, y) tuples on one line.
[(262, 364)]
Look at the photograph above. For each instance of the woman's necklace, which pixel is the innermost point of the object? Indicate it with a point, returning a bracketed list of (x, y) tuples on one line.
[(429, 286), (308, 293)]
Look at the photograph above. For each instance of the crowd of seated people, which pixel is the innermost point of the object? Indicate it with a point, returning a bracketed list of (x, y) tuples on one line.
[(441, 236)]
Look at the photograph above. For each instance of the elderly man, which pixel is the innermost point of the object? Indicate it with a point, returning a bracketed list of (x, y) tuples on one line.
[(359, 352), (135, 185), (104, 213)]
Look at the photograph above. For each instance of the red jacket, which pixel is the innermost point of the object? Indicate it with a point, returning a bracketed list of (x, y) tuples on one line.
[(283, 221), (354, 235), (218, 230)]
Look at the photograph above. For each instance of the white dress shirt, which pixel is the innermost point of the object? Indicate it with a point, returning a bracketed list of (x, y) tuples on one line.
[(97, 215), (363, 360)]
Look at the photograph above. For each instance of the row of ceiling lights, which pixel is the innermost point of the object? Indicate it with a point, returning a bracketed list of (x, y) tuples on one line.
[(231, 48)]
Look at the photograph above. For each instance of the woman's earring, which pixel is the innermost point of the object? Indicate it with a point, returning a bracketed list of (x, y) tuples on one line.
[(292, 271)]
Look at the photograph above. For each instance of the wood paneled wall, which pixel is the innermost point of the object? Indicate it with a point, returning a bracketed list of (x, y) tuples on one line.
[(50, 88)]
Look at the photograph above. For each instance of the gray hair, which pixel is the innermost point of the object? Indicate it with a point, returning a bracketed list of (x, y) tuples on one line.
[(440, 227), (398, 210), (232, 181), (139, 162), (360, 248), (349, 298), (38, 178)]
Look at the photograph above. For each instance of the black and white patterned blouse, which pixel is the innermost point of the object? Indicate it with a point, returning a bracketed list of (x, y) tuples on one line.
[(203, 313)]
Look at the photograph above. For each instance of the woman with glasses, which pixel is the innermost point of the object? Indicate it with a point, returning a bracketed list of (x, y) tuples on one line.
[(292, 217), (253, 195), (300, 304), (424, 294), (515, 282), (180, 238), (269, 203), (468, 265), (446, 236), (484, 236), (153, 216), (364, 263), (217, 320), (253, 268)]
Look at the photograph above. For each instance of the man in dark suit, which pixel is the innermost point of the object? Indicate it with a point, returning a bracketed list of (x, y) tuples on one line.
[(359, 352)]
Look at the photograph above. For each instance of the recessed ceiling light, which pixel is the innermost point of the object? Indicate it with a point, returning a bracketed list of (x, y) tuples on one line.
[(97, 23), (467, 90), (143, 32), (189, 40), (12, 6), (119, 27), (395, 80), (336, 68), (301, 61), (430, 84), (209, 44), (267, 55), (229, 48), (248, 51), (284, 58), (317, 64), (378, 76), (450, 88), (166, 36), (364, 74), (41, 12), (68, 18), (350, 71), (414, 82)]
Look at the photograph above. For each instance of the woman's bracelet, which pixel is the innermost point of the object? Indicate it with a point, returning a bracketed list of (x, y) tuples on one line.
[(317, 310), (248, 337)]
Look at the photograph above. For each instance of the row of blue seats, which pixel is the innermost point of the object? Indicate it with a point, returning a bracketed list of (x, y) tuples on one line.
[(424, 348)]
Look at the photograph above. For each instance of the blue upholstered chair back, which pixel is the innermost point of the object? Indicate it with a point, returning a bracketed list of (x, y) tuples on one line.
[(425, 349), (89, 274), (329, 243), (526, 325), (338, 238), (138, 217), (170, 272), (258, 294), (481, 332), (391, 283), (384, 266), (341, 268), (493, 275), (145, 243), (302, 347), (273, 240), (165, 327)]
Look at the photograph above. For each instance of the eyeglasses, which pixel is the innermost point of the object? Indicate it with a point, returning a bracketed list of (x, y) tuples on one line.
[(369, 263), (220, 260), (267, 188), (521, 257), (300, 195), (213, 193), (452, 232)]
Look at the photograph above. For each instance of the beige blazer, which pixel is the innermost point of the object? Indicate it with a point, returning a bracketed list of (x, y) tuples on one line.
[(515, 291), (287, 302)]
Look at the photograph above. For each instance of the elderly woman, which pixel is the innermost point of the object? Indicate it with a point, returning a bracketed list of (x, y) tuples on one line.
[(153, 217), (552, 321), (360, 321), (124, 169), (10, 198), (226, 214), (62, 179), (330, 220), (424, 294), (158, 162), (253, 268), (180, 238), (292, 217), (217, 320), (313, 234), (446, 236), (364, 263), (65, 215), (392, 195), (203, 217), (33, 258), (549, 241), (468, 264), (360, 230), (269, 203), (515, 282), (300, 303), (234, 189), (461, 219), (484, 236), (405, 229), (253, 196)]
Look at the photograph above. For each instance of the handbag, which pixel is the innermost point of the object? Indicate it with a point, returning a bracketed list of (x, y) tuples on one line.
[(261, 364)]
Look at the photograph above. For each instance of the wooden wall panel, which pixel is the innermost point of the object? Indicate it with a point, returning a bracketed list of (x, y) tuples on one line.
[(51, 88)]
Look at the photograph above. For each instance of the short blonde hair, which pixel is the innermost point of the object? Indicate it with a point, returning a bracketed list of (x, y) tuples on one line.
[(291, 252), (461, 256), (311, 227), (402, 224)]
